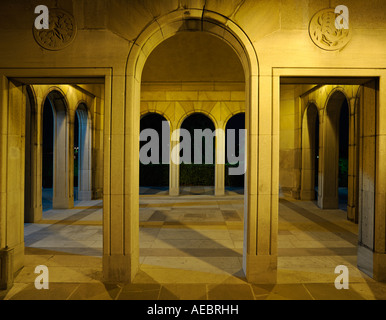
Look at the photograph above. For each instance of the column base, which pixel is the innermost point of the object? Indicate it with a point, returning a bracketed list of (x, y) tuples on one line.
[(371, 263), (328, 203), (174, 192), (219, 192), (307, 195), (352, 214), (84, 195), (261, 269), (6, 269), (60, 203), (119, 268), (35, 215), (295, 194)]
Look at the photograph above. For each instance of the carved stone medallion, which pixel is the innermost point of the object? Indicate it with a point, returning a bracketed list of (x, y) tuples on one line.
[(324, 34), (62, 31)]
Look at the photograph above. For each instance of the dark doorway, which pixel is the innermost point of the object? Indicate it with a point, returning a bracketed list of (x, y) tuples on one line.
[(234, 182), (193, 174)]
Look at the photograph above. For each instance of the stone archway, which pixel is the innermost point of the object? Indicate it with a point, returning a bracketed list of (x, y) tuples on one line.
[(62, 197), (329, 186), (121, 234)]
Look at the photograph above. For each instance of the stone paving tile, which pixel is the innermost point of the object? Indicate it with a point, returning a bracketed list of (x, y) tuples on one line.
[(96, 291), (196, 257), (141, 295), (223, 245), (281, 292), (230, 292), (327, 291), (57, 291), (183, 292), (142, 291)]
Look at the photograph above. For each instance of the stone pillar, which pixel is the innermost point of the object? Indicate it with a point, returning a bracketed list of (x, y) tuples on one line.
[(220, 162), (288, 147), (352, 201), (63, 158), (329, 168), (174, 168), (308, 153), (6, 269), (261, 209), (33, 211), (12, 166), (97, 147), (372, 182), (296, 190), (121, 172), (85, 164)]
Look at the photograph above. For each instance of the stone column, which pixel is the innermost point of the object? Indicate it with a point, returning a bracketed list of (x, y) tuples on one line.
[(174, 168), (63, 158), (352, 201), (121, 172), (220, 162), (329, 169), (308, 153), (12, 165), (33, 190), (85, 164), (372, 182), (261, 210), (296, 190), (97, 147)]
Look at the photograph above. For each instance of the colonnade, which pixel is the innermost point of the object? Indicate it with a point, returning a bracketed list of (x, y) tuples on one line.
[(219, 145), (321, 111), (67, 103)]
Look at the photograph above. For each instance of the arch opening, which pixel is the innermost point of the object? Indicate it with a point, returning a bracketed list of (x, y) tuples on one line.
[(48, 155), (56, 185), (154, 154), (335, 153), (184, 97), (198, 156), (235, 147), (162, 29), (343, 155)]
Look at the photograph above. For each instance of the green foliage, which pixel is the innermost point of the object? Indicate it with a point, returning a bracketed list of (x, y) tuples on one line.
[(233, 181), (343, 172), (190, 175), (154, 175), (197, 175)]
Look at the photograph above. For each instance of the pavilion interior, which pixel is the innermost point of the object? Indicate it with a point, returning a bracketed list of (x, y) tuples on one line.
[(191, 225)]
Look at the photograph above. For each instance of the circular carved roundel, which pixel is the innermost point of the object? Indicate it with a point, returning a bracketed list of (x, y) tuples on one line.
[(324, 34), (62, 31)]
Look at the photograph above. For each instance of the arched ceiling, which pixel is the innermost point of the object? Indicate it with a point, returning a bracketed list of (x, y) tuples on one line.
[(193, 57)]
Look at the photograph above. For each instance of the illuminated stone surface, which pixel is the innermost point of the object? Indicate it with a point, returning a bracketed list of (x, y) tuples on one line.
[(254, 57)]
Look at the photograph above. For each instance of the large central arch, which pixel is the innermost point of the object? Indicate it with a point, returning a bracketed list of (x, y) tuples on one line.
[(121, 234)]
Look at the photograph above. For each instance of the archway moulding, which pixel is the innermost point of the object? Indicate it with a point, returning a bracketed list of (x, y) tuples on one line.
[(259, 261)]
